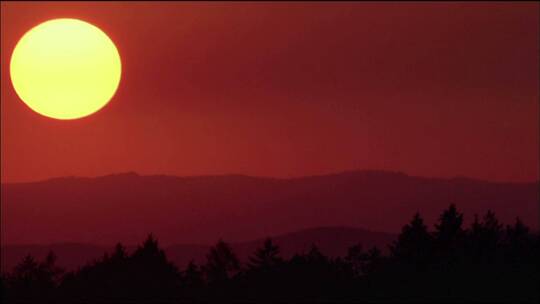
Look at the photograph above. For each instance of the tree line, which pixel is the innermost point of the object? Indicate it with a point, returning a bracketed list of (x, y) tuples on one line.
[(486, 261)]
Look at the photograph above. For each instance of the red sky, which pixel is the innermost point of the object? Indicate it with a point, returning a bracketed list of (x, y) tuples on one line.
[(291, 89)]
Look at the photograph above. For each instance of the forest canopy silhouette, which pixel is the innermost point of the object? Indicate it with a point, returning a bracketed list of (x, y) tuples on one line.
[(486, 261)]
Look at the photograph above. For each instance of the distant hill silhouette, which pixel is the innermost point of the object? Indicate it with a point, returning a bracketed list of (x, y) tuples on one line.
[(332, 241), (201, 209), (72, 255)]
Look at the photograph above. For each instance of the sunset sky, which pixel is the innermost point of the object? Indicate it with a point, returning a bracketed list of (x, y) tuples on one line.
[(292, 89)]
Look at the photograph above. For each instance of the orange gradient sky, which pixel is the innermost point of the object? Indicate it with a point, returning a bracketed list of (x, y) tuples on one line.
[(291, 89)]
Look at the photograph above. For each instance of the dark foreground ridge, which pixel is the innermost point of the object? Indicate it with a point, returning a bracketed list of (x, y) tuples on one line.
[(484, 262), (331, 241)]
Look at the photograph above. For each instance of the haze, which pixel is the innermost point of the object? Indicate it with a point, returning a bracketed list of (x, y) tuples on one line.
[(292, 89)]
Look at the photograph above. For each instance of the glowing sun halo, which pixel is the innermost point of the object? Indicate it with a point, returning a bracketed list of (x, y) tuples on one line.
[(65, 68)]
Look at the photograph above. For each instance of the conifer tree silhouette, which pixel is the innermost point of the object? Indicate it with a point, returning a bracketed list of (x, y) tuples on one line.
[(449, 226), (483, 262), (483, 239), (32, 279), (221, 263), (265, 257), (519, 243), (192, 276), (119, 253), (152, 272), (374, 261), (473, 248), (26, 271), (357, 258), (449, 234), (414, 243), (315, 256)]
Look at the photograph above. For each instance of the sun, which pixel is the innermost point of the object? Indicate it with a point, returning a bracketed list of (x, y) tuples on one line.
[(65, 68)]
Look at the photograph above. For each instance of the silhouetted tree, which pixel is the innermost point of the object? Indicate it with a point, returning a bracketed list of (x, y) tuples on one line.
[(449, 226), (519, 242), (192, 284), (192, 277), (152, 272), (481, 263), (375, 261), (484, 238), (492, 230), (221, 263), (33, 280), (357, 258), (449, 235), (314, 256), (265, 257), (413, 245), (142, 276), (119, 253)]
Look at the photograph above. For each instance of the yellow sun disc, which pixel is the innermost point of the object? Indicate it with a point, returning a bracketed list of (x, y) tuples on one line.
[(65, 68)]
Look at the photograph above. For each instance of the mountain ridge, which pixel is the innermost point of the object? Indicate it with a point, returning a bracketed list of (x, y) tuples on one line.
[(344, 172), (240, 208)]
